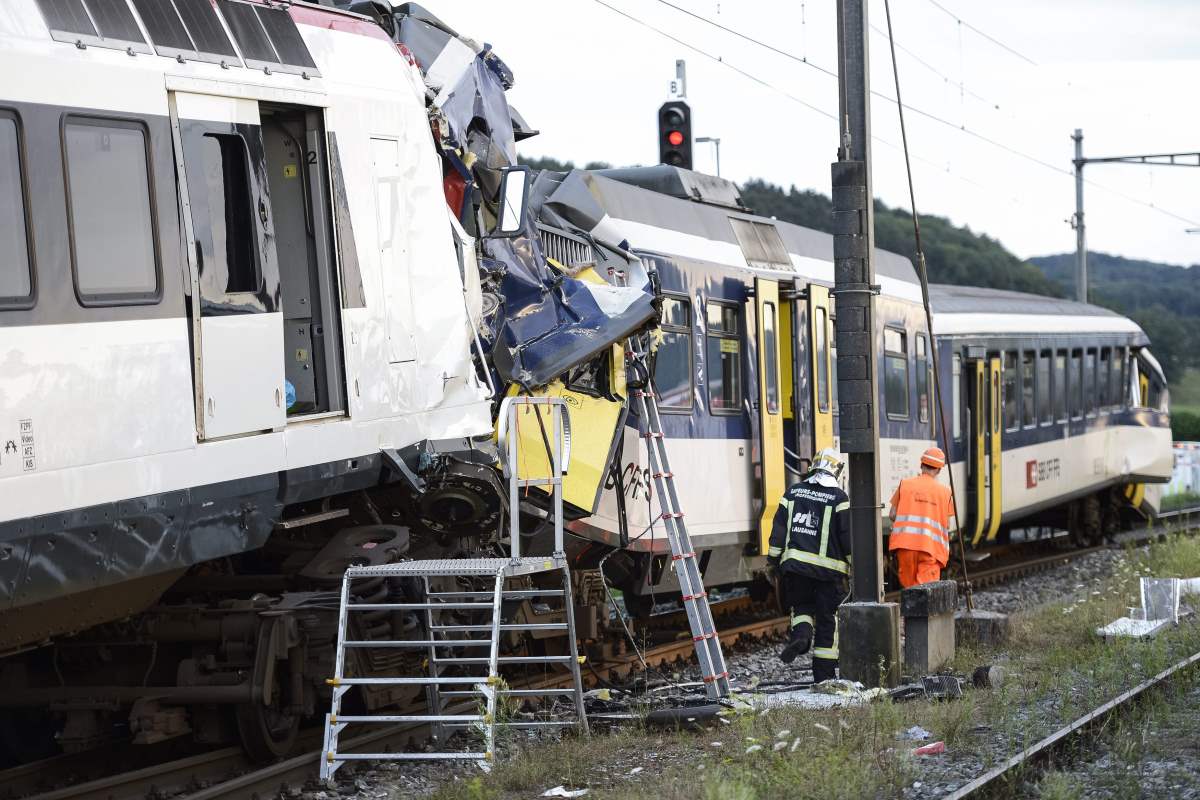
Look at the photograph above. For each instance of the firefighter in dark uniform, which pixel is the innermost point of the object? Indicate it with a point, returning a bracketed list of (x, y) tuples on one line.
[(810, 549)]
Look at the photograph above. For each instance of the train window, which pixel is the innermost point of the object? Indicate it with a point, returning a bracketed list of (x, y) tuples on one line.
[(16, 273), (673, 359), (1089, 381), (956, 394), (895, 372), (821, 348), (1060, 386), (922, 367), (1104, 378), (1012, 413), (1045, 390), (723, 359), (1119, 376), (227, 180), (833, 388), (1028, 390), (1076, 384), (110, 211), (771, 357)]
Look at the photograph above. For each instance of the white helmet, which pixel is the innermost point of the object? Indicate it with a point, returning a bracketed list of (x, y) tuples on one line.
[(828, 460)]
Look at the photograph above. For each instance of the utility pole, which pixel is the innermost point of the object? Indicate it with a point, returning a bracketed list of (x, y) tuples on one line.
[(854, 288), (869, 630), (1151, 159), (1081, 281)]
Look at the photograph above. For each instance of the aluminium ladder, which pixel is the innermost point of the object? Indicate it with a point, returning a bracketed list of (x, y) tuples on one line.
[(448, 696), (683, 554)]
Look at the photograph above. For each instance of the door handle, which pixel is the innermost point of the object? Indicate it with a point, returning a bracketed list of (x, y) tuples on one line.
[(278, 398)]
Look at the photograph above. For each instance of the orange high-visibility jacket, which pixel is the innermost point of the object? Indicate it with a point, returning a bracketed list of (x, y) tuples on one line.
[(923, 511)]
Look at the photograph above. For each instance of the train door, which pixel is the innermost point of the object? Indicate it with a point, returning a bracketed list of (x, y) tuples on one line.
[(820, 334), (770, 407), (984, 448), (237, 324)]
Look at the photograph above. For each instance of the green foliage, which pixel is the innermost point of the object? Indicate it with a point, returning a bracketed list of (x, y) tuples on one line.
[(1163, 299), (1180, 500), (1185, 426), (954, 254)]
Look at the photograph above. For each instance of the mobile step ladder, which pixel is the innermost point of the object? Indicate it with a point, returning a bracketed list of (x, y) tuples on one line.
[(454, 700), (683, 555)]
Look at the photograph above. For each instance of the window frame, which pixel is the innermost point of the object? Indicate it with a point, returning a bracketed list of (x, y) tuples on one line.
[(29, 300), (248, 185), (116, 298), (1048, 389), (824, 360), (1091, 404), (771, 371), (1075, 383), (1015, 379), (1033, 387), (956, 396), (907, 383), (686, 332), (1104, 357), (921, 362), (1062, 388), (723, 334)]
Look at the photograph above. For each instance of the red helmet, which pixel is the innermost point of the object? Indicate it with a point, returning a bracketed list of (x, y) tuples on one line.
[(933, 457)]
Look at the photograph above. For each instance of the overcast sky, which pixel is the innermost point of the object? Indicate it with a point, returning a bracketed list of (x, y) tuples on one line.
[(1122, 70)]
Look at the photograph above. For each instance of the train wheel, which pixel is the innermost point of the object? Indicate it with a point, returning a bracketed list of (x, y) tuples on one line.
[(268, 725), (1084, 522)]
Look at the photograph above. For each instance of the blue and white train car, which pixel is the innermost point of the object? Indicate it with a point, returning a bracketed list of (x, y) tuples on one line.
[(1059, 413), (746, 374)]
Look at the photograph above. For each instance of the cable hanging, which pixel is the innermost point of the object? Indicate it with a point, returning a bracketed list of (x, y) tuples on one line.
[(923, 275)]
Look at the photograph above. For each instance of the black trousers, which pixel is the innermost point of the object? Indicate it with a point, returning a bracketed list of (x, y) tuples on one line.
[(814, 603)]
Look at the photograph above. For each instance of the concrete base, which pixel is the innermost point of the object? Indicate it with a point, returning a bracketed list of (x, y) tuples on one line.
[(928, 611), (981, 627), (869, 643), (928, 643)]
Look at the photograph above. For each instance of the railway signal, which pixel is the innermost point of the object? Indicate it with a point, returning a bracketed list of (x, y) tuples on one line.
[(675, 134)]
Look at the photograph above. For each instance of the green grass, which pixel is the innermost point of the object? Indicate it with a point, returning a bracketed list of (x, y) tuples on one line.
[(1057, 669), (1185, 392)]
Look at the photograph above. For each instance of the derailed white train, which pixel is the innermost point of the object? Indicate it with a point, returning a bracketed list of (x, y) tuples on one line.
[(230, 290)]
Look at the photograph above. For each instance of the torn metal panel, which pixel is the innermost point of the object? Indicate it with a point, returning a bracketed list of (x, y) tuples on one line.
[(550, 321)]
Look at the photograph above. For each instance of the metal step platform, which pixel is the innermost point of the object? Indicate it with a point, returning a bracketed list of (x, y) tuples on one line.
[(462, 680)]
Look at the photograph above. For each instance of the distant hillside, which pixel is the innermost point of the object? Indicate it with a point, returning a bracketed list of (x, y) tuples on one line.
[(954, 254), (1162, 298)]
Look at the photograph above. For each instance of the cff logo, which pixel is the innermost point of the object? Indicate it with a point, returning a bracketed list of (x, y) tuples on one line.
[(1040, 471)]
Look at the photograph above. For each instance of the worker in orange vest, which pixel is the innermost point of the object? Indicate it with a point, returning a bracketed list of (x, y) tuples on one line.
[(921, 512)]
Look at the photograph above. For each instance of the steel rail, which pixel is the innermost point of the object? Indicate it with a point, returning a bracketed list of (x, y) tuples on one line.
[(999, 778)]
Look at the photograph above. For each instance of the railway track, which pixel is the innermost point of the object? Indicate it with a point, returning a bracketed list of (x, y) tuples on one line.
[(226, 773), (1002, 780)]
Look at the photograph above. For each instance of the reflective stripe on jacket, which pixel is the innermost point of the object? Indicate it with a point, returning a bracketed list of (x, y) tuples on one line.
[(923, 510), (811, 531)]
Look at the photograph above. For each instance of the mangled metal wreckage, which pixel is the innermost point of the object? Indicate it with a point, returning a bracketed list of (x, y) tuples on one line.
[(554, 296)]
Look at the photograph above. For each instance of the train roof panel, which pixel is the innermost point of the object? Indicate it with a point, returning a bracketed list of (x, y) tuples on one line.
[(665, 218), (972, 310)]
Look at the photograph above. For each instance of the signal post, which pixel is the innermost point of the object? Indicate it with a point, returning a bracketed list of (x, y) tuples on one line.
[(868, 628)]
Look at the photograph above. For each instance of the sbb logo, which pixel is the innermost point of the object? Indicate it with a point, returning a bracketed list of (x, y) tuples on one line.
[(1031, 474)]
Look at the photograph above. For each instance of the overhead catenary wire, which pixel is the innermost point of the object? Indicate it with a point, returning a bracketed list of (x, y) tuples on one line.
[(923, 275), (931, 116), (978, 32)]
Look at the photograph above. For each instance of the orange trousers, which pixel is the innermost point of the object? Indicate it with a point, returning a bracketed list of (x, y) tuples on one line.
[(917, 566)]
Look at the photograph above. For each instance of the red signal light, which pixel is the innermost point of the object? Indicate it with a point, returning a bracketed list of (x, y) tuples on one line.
[(675, 138)]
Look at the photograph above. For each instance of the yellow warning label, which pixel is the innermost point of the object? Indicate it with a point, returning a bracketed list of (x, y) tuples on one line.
[(301, 354), (289, 170), (729, 345)]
